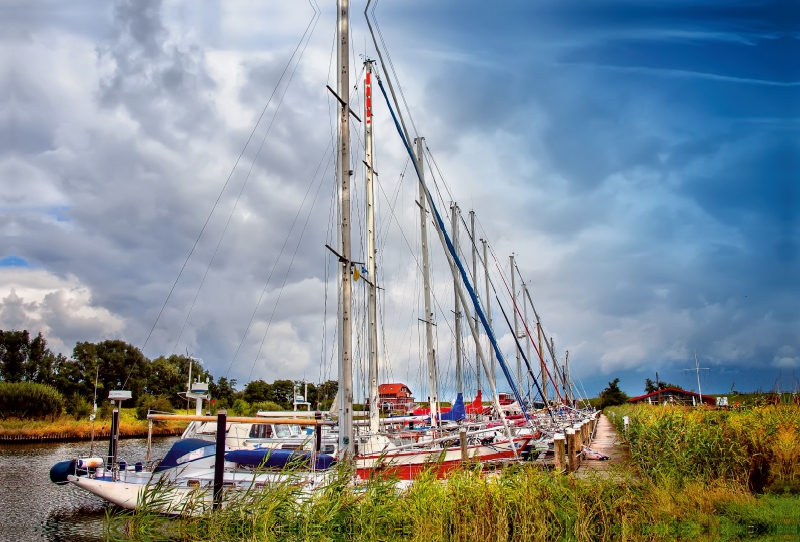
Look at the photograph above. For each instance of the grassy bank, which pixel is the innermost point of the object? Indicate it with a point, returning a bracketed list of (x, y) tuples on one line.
[(68, 428)]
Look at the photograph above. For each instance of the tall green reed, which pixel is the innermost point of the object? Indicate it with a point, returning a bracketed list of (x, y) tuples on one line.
[(757, 448)]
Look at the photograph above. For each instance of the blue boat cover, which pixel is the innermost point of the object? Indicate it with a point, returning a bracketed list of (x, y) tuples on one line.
[(458, 412), (266, 457), (179, 453), (62, 469)]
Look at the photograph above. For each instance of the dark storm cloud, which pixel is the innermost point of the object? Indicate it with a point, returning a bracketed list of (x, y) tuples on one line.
[(669, 128)]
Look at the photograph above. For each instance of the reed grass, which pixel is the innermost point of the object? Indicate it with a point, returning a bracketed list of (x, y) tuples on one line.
[(67, 427), (757, 448), (521, 503)]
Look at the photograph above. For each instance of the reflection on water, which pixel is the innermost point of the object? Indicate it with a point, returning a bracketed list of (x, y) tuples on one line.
[(33, 508)]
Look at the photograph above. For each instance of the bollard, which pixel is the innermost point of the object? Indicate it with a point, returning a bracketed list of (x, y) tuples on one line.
[(558, 447), (572, 459), (219, 457), (578, 443), (318, 432), (462, 437), (113, 443)]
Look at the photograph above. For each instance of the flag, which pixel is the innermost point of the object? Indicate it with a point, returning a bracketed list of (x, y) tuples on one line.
[(356, 274)]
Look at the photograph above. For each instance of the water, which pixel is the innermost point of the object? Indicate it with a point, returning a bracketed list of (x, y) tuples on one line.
[(33, 508)]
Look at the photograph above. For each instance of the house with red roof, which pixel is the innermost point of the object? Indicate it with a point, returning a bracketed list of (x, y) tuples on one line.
[(396, 397), (673, 396)]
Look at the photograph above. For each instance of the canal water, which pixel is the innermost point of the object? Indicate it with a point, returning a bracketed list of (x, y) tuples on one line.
[(33, 508)]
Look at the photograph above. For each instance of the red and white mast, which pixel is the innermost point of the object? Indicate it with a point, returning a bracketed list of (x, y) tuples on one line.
[(372, 312)]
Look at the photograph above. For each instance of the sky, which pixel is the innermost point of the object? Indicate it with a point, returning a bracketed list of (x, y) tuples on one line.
[(640, 159)]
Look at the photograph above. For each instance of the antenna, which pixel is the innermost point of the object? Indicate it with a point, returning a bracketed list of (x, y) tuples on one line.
[(697, 369)]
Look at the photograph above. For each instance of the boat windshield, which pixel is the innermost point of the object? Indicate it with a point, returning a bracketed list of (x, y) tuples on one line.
[(287, 431)]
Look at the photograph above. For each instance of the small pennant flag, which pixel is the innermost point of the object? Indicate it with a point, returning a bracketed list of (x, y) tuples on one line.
[(356, 273)]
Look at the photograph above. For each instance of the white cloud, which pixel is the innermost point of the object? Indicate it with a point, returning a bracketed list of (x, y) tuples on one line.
[(61, 309)]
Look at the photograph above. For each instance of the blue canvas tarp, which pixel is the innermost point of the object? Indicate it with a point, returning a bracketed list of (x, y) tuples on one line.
[(458, 412)]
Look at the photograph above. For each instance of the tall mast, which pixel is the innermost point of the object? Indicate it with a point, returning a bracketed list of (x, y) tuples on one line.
[(488, 306), (454, 225), (527, 339), (516, 322), (346, 443), (475, 282), (567, 385), (426, 279), (372, 312), (556, 370), (543, 379)]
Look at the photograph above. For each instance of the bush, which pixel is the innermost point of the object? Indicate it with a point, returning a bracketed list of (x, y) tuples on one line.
[(78, 407), (28, 400), (266, 405), (148, 402)]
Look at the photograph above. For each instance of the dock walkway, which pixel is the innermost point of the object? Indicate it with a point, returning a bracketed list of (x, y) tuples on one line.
[(608, 442)]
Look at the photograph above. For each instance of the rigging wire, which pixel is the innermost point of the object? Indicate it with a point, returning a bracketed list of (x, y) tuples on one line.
[(288, 269), (230, 175), (236, 203)]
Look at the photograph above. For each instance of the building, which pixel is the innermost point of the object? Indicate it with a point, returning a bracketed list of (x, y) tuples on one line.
[(673, 396), (396, 397)]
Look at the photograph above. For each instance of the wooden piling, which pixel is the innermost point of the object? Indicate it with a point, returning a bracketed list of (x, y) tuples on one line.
[(572, 458), (559, 444)]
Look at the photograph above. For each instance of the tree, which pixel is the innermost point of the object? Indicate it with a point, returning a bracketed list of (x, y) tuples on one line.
[(119, 366), (258, 391), (650, 386), (28, 360), (168, 377), (223, 390), (284, 392), (325, 393), (14, 346), (612, 395)]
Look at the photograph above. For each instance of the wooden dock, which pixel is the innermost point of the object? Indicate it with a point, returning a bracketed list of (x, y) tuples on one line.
[(608, 442)]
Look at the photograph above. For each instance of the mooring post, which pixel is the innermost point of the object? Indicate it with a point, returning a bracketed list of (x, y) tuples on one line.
[(112, 445), (462, 437), (572, 459), (219, 458), (149, 440), (558, 447), (318, 432), (578, 443)]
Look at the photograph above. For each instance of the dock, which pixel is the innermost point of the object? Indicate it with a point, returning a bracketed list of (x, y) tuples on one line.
[(606, 441)]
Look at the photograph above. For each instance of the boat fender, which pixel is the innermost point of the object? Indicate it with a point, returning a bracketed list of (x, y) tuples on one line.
[(62, 469), (90, 463)]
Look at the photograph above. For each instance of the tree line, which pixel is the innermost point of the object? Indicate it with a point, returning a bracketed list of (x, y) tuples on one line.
[(116, 365)]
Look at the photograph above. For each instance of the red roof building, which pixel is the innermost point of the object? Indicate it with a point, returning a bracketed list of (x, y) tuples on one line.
[(396, 397), (673, 396)]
